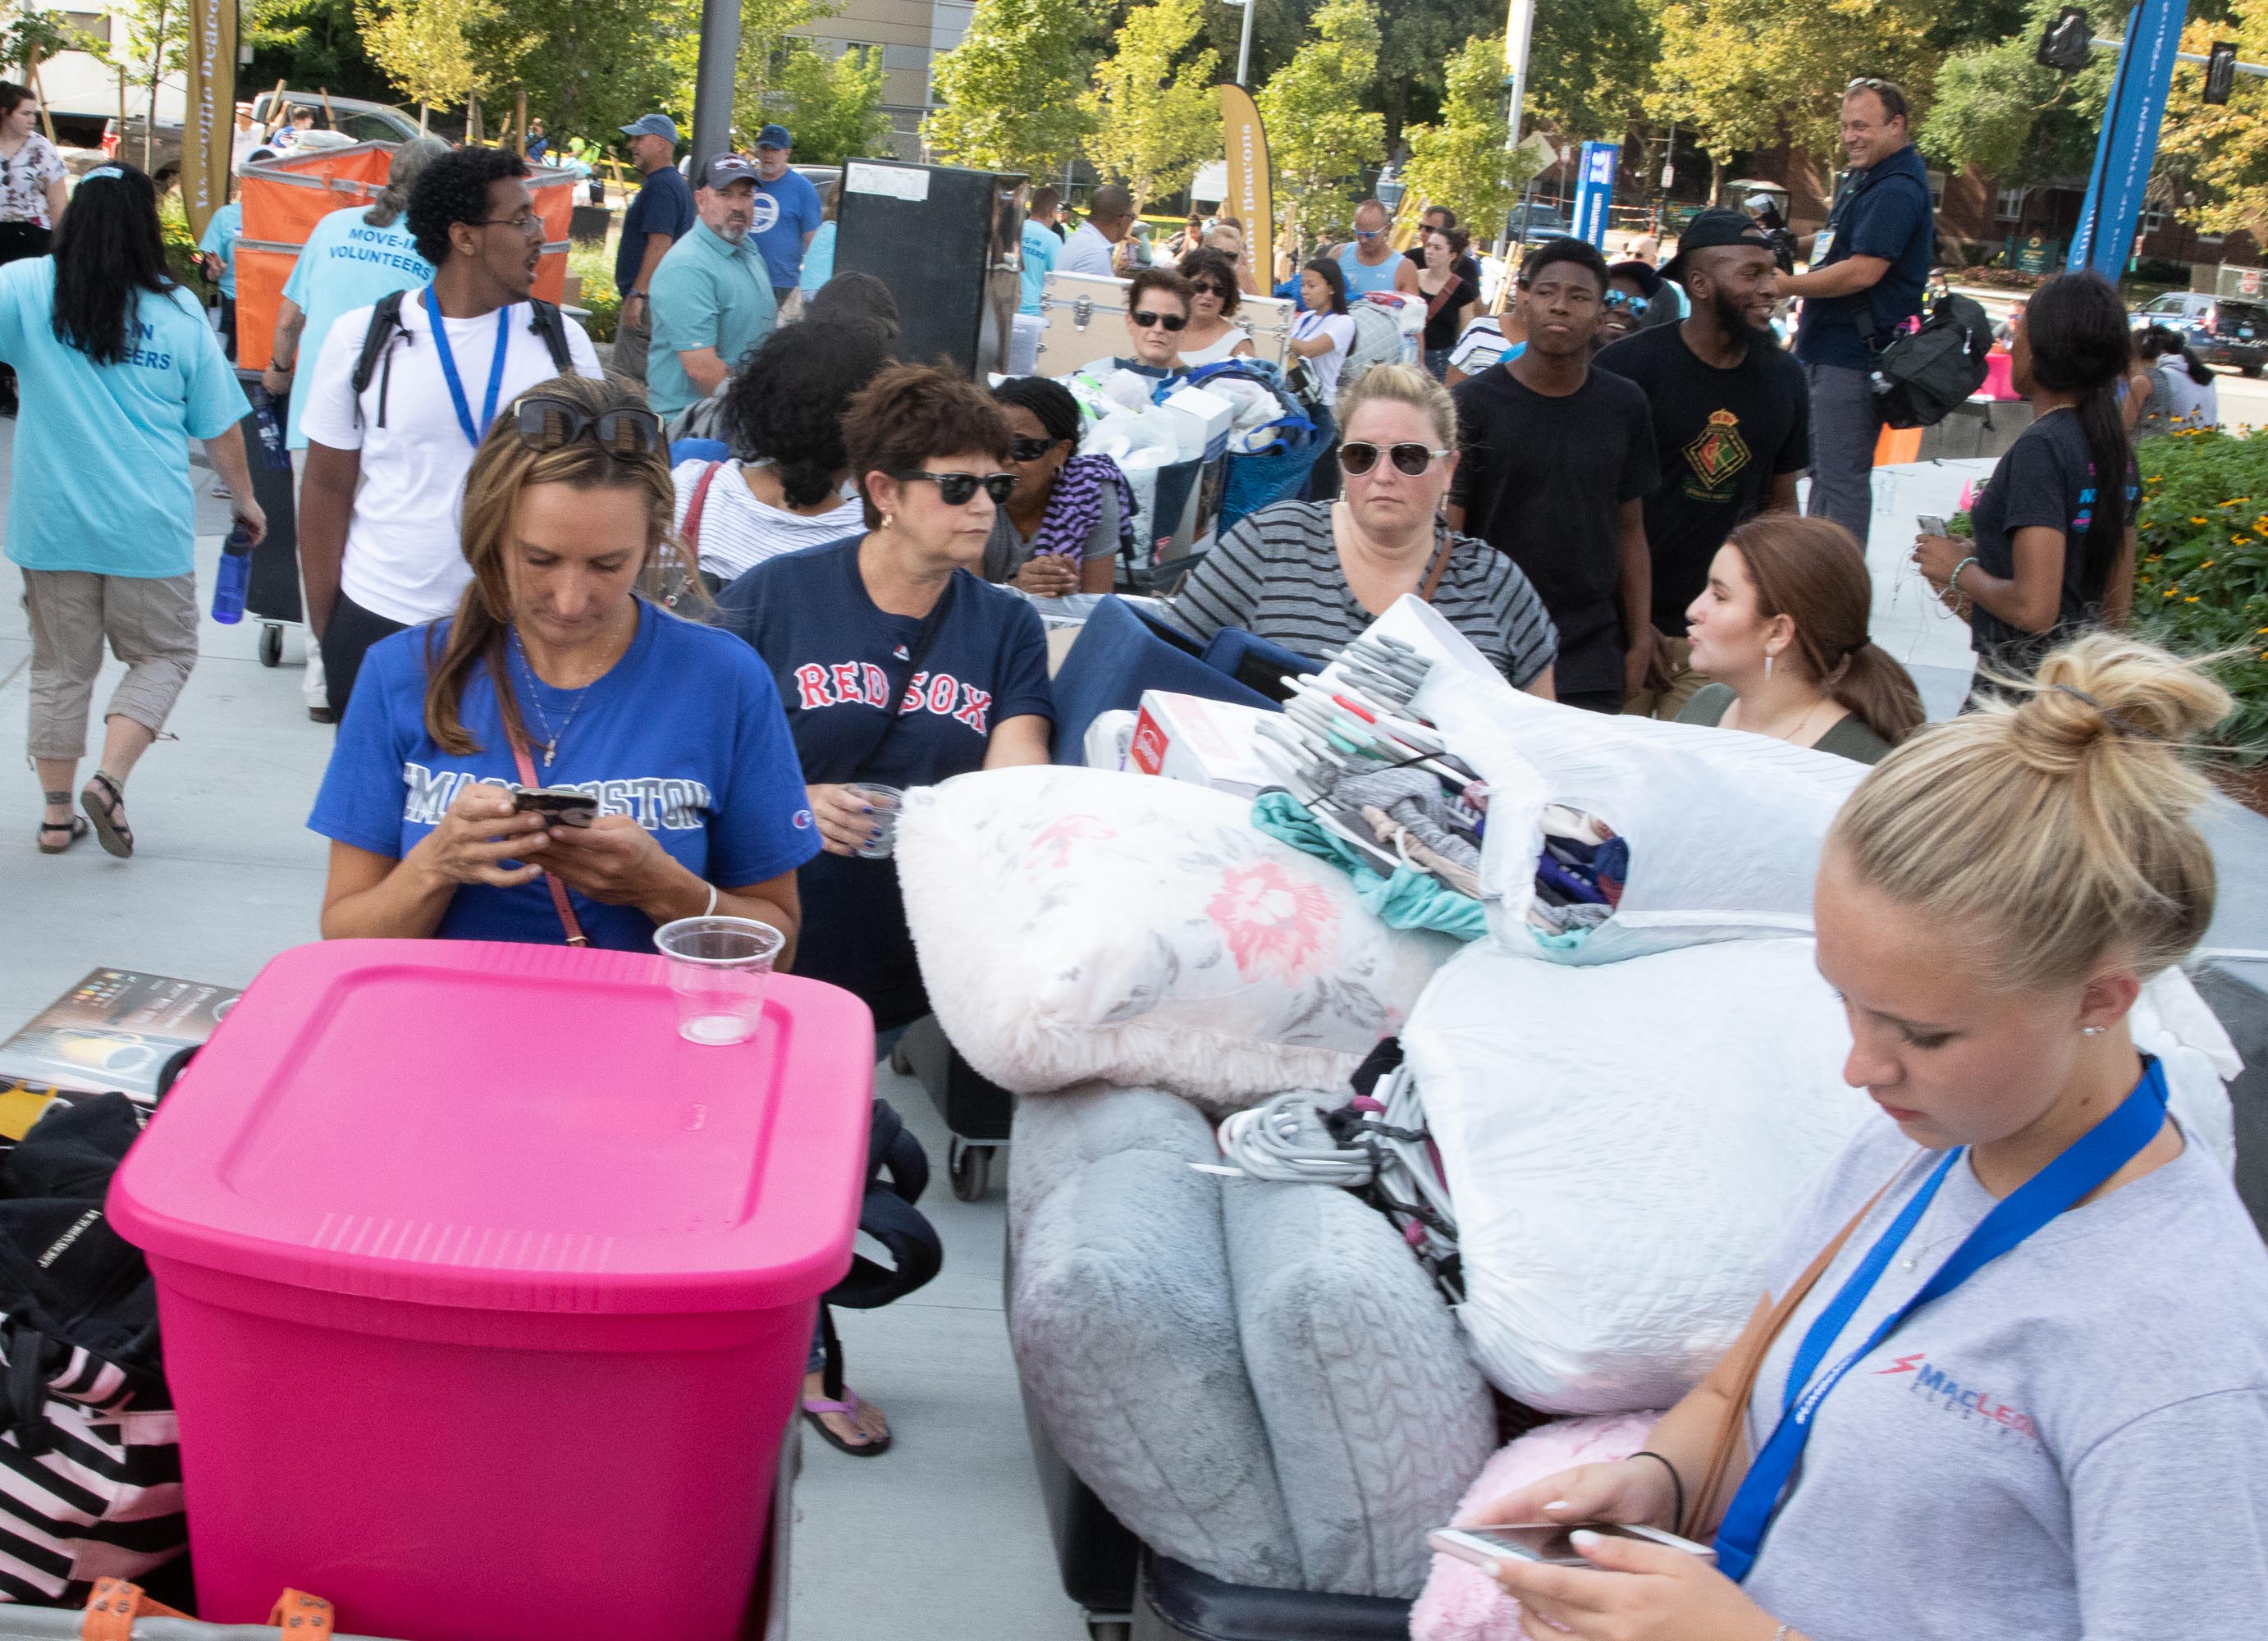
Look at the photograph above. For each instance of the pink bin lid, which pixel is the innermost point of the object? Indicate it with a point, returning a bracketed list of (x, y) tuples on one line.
[(510, 1128)]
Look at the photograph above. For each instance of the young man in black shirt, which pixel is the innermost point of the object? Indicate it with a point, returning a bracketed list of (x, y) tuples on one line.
[(1558, 459), (1731, 428)]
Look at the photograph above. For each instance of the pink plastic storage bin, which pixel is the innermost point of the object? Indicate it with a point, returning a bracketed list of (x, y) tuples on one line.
[(486, 1297)]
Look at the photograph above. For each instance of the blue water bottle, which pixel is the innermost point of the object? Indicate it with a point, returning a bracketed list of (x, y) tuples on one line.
[(235, 577)]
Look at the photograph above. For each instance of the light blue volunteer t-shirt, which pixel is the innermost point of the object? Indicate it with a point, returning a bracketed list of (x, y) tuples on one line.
[(818, 259), (720, 787), (221, 231), (785, 211), (102, 451), (345, 264), (1041, 250)]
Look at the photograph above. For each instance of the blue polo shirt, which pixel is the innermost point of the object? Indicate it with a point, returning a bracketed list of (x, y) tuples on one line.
[(222, 230), (346, 264), (707, 293), (664, 204), (1041, 250), (719, 786), (786, 211), (102, 451), (1886, 213)]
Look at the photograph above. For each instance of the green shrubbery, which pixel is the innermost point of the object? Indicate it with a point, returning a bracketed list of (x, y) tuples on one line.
[(2202, 579)]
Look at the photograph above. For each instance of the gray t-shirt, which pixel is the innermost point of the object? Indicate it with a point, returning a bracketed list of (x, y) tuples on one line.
[(1006, 548), (2072, 1444)]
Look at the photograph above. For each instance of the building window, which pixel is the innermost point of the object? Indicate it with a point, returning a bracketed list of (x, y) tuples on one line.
[(96, 24), (2152, 220), (2010, 205)]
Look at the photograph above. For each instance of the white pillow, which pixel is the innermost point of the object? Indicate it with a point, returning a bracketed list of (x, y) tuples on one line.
[(1084, 924)]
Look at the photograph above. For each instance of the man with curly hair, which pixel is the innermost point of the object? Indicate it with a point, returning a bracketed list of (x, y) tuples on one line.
[(402, 395)]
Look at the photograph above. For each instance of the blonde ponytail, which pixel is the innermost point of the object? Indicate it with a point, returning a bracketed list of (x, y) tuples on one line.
[(2049, 829)]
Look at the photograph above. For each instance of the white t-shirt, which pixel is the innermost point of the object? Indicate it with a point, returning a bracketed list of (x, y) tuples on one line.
[(1086, 251), (1340, 329), (404, 558), (738, 532), (1219, 348), (2194, 405)]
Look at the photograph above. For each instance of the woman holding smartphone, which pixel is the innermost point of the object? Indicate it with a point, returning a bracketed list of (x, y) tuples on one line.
[(555, 673), (2013, 1346)]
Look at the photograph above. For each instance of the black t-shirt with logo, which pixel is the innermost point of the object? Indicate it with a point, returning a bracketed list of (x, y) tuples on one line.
[(1720, 436), (2046, 480), (1543, 480)]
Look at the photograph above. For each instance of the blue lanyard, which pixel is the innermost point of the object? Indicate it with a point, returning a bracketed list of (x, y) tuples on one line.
[(2109, 1147), (449, 369)]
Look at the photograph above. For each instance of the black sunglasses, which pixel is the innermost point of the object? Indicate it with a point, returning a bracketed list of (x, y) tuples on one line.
[(552, 424), (1359, 458), (1204, 285), (958, 490), (1031, 449), (1171, 322)]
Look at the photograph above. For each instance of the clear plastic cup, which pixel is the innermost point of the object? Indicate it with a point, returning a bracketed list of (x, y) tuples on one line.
[(718, 967), (885, 801)]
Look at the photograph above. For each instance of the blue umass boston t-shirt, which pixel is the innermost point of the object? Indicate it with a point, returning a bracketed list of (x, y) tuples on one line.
[(684, 735), (835, 657)]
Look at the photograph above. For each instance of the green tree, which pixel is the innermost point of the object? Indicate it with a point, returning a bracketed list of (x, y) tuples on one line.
[(1320, 134), (1010, 89), (441, 52), (312, 44), (1154, 108), (603, 62), (835, 105), (1461, 162), (2213, 161), (1998, 110)]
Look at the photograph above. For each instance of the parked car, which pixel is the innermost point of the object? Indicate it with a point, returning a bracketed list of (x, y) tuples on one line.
[(1524, 224), (2222, 331), (352, 118)]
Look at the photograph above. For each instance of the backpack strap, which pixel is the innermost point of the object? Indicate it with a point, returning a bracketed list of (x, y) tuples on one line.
[(385, 323), (691, 528), (549, 323)]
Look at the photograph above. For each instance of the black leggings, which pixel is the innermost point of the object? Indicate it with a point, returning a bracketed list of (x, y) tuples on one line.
[(353, 629)]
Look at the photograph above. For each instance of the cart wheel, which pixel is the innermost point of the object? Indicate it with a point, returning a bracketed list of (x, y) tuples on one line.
[(1109, 1630), (971, 1169), (271, 644), (899, 1063)]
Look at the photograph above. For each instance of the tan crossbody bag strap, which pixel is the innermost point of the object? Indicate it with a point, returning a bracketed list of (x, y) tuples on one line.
[(1721, 1479)]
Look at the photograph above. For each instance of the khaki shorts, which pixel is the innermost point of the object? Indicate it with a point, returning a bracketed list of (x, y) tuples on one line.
[(152, 625), (1685, 684), (631, 344)]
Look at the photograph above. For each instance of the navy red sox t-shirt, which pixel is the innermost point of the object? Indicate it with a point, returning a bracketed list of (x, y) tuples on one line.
[(837, 659)]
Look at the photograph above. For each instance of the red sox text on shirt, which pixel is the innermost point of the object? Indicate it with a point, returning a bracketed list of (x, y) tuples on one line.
[(862, 683)]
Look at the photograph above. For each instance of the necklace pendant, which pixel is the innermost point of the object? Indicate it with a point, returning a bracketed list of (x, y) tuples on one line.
[(549, 749)]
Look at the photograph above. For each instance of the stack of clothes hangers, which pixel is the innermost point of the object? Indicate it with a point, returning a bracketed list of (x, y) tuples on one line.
[(1373, 787)]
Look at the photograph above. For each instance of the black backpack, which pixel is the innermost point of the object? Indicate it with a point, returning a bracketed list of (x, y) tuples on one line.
[(385, 324), (1919, 377)]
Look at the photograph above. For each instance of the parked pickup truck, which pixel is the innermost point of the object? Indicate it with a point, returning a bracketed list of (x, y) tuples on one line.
[(86, 141)]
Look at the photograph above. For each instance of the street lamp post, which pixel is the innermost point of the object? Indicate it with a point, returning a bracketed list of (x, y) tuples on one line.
[(1244, 45), (713, 81)]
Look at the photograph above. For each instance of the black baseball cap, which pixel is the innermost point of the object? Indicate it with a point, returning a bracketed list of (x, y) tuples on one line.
[(1714, 226)]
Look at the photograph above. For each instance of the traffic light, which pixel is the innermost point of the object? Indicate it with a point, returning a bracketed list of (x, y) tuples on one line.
[(2220, 72), (2067, 45)]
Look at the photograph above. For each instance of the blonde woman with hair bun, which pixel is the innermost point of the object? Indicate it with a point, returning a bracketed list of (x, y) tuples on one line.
[(2014, 1343)]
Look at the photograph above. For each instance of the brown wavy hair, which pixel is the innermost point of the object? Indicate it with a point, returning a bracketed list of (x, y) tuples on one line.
[(1812, 570), (480, 635)]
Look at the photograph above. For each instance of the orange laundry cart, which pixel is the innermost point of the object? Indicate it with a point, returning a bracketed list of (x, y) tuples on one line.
[(283, 198)]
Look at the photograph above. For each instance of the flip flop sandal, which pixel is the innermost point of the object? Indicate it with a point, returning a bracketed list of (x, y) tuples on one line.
[(813, 1406), (72, 830), (107, 810)]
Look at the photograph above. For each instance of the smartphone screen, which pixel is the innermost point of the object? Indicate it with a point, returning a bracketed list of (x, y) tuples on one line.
[(1550, 1543), (1932, 525)]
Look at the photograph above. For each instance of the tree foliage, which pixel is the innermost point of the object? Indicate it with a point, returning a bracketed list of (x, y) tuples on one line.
[(1155, 109), (835, 105), (427, 47), (1461, 162), (2214, 160), (1320, 133), (1998, 110), (1010, 88)]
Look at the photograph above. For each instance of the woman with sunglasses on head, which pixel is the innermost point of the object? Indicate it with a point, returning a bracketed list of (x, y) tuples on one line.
[(2007, 1374), (1211, 335), (1451, 296), (1070, 517), (898, 666), (1781, 629), (1227, 236), (555, 672), (1312, 575)]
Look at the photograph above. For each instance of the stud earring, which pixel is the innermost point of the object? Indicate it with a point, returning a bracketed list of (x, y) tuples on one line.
[(2090, 1031)]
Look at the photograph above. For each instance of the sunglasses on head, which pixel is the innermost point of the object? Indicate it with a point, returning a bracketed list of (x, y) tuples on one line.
[(1031, 449), (1622, 298), (1146, 318), (546, 424), (1359, 458), (958, 490)]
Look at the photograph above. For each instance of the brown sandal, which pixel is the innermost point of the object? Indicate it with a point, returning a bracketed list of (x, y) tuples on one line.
[(72, 830), (107, 810)]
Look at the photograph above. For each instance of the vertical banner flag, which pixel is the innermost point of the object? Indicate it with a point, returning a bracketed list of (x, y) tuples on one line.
[(209, 126), (1251, 200), (2127, 148), (1594, 191)]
